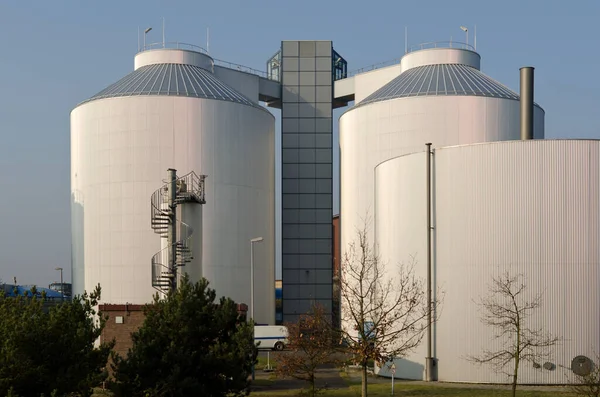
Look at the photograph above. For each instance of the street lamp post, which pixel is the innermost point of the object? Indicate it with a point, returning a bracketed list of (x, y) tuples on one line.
[(252, 241), (62, 291), (145, 33)]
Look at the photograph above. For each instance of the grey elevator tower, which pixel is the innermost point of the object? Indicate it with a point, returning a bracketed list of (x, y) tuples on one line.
[(306, 70)]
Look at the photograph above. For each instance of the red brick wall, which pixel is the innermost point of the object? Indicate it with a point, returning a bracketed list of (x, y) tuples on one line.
[(133, 318), (336, 246)]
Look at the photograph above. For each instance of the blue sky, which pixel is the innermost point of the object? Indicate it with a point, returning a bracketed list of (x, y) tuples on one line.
[(57, 53)]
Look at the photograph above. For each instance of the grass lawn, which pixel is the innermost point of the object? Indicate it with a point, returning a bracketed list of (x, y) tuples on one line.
[(384, 390), (262, 362), (403, 389), (98, 392), (381, 390)]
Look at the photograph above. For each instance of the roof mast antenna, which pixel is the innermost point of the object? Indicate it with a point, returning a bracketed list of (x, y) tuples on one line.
[(405, 39), (207, 44), (466, 30), (163, 32), (475, 38)]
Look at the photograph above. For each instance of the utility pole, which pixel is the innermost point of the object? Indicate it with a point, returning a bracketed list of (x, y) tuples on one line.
[(62, 286), (430, 360)]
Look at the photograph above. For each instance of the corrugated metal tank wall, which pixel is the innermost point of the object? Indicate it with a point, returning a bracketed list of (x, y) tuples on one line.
[(527, 207), (121, 148)]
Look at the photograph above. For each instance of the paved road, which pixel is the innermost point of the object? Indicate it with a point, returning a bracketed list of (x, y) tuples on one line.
[(326, 378)]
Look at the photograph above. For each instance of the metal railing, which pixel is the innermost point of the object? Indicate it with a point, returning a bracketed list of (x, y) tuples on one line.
[(274, 67), (241, 68), (441, 44), (191, 47), (375, 66), (417, 47), (190, 188), (162, 270), (173, 45)]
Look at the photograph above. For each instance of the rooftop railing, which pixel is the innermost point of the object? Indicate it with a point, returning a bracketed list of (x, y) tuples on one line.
[(241, 68), (173, 45), (191, 47), (441, 44), (375, 66), (417, 47)]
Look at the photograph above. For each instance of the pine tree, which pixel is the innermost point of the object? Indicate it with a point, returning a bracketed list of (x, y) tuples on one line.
[(189, 345), (50, 352)]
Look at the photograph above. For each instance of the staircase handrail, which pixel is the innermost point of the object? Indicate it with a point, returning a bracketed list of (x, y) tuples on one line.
[(190, 187)]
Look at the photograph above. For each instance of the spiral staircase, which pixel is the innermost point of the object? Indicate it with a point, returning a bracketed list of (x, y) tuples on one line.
[(177, 252)]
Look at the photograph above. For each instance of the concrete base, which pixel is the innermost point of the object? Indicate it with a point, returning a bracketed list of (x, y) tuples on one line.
[(430, 369)]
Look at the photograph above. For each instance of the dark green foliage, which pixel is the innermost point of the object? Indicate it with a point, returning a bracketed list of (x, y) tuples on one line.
[(189, 345), (44, 353)]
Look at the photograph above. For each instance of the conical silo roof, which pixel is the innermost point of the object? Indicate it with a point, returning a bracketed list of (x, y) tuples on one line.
[(171, 79), (440, 80)]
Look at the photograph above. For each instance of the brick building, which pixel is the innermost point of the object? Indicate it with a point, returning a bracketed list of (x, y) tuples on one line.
[(123, 320)]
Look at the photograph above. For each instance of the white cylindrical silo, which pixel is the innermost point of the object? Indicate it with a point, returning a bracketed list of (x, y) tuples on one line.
[(172, 112), (526, 207), (400, 232), (440, 97)]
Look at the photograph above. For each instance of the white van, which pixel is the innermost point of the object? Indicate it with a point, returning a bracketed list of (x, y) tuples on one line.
[(272, 337)]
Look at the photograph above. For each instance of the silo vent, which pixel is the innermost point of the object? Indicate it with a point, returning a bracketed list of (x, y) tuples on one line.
[(526, 102)]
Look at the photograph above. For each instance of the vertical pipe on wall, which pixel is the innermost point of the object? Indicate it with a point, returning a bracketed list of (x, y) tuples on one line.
[(526, 102), (429, 366), (172, 234)]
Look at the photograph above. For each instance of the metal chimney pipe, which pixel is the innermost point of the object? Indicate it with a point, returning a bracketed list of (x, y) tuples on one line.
[(526, 102)]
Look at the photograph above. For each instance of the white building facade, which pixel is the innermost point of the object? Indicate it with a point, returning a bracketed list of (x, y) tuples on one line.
[(173, 112)]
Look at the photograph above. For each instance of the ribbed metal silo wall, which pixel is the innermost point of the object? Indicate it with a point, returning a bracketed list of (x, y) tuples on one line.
[(121, 149), (529, 208)]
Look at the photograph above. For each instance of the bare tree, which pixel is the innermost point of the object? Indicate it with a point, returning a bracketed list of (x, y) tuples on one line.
[(588, 385), (507, 309), (312, 342), (383, 316)]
